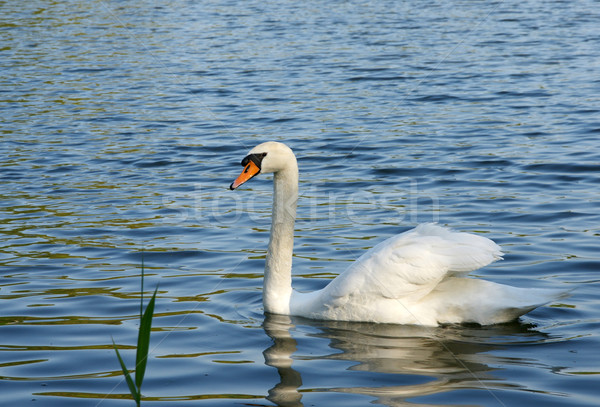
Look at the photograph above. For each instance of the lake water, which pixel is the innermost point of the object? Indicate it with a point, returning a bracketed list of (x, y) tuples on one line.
[(123, 124)]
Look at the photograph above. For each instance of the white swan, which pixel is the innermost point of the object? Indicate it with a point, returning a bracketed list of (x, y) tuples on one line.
[(412, 278)]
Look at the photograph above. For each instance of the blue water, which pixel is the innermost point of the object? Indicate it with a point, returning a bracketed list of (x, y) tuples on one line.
[(123, 124)]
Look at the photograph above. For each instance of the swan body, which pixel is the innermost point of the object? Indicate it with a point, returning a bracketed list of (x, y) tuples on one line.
[(416, 277)]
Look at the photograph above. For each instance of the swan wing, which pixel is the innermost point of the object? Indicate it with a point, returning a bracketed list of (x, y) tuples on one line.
[(410, 265), (417, 277)]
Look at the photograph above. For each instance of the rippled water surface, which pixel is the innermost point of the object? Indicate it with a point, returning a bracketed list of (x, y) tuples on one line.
[(123, 124)]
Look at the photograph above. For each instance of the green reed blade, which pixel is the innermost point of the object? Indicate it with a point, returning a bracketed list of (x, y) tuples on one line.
[(142, 289), (132, 389), (143, 344)]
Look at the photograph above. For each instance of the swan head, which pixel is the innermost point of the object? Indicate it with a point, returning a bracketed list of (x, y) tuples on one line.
[(269, 157)]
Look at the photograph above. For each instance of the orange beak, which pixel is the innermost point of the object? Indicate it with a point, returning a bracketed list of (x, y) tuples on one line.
[(249, 171)]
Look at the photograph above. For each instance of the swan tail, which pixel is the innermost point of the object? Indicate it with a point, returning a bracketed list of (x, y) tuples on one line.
[(485, 302)]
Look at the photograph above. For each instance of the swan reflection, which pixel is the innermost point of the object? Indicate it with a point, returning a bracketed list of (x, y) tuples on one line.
[(423, 360)]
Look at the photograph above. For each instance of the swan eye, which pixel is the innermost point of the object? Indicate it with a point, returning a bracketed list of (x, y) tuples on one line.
[(255, 158)]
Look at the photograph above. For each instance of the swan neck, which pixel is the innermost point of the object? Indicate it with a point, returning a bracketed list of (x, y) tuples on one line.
[(277, 289)]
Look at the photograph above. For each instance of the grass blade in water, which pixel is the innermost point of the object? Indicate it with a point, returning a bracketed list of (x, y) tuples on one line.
[(142, 289), (128, 379), (141, 356)]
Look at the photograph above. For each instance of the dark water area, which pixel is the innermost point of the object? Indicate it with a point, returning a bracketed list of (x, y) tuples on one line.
[(123, 124)]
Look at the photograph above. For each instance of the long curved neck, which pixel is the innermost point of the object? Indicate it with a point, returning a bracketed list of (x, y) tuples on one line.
[(277, 287)]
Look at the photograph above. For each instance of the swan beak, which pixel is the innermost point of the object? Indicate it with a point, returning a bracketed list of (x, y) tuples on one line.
[(249, 171)]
